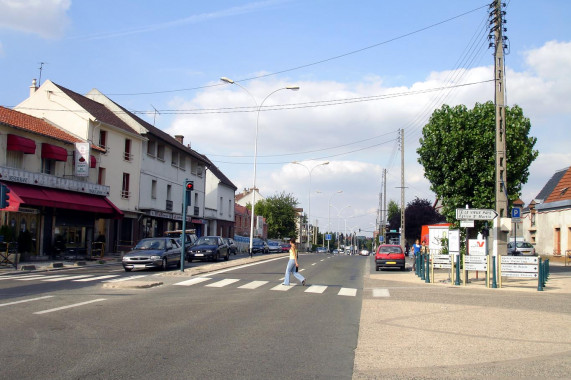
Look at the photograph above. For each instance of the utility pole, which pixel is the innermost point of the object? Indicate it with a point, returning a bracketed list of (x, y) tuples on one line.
[(385, 206), (496, 18), (402, 221)]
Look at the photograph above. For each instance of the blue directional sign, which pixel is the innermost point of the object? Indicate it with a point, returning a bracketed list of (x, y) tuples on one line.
[(516, 212), (327, 236)]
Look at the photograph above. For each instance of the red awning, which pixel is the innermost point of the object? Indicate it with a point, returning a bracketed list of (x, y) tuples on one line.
[(44, 196), (53, 152), (92, 161), (21, 144)]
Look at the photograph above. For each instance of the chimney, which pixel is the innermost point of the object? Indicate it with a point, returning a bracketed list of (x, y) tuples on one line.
[(33, 87), (179, 138)]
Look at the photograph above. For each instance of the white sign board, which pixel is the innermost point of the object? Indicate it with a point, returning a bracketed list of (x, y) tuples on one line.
[(519, 259), (454, 241), (435, 236), (475, 214), (477, 247), (519, 268), (519, 274), (467, 223), (475, 263), (82, 159)]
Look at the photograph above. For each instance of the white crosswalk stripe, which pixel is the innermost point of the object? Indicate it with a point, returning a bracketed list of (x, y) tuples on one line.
[(283, 288), (222, 283), (253, 285), (126, 278), (350, 292), (192, 281), (66, 278), (379, 292), (96, 278), (19, 277), (316, 289), (37, 278)]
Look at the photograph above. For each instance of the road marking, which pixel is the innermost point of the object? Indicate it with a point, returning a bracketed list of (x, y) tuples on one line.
[(378, 292), (69, 306), (253, 285), (66, 278), (19, 277), (313, 263), (350, 292), (316, 289), (301, 270), (282, 287), (193, 281), (248, 265), (126, 278), (322, 260), (96, 278), (22, 301), (222, 283), (38, 278)]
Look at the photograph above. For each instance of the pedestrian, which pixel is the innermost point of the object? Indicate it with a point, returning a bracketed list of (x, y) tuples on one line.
[(416, 252), (292, 265)]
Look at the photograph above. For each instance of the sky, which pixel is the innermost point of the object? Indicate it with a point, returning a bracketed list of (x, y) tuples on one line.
[(366, 69)]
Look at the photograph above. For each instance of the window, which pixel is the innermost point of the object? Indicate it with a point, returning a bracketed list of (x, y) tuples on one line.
[(14, 159), (154, 189), (151, 148), (103, 139), (48, 166), (182, 162), (169, 190), (174, 160), (161, 152), (125, 188), (127, 155), (221, 205), (101, 176), (229, 207)]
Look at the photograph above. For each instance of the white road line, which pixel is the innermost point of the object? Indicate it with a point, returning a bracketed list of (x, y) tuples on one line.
[(66, 278), (253, 285), (192, 281), (313, 263), (322, 260), (69, 306), (378, 292), (350, 292), (248, 265), (222, 283), (301, 270), (126, 278), (22, 301), (283, 288), (316, 289), (16, 277), (39, 278), (96, 278)]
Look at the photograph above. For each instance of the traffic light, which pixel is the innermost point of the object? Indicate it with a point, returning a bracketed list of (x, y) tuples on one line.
[(4, 197), (188, 187)]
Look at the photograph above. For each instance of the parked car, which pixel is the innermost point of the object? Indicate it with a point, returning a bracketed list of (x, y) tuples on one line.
[(335, 252), (389, 256), (322, 250), (208, 248), (232, 246), (521, 247), (189, 237), (286, 247), (364, 252), (260, 246), (274, 247), (158, 252)]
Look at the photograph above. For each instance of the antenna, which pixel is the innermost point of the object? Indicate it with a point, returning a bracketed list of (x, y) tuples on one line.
[(155, 116), (41, 68)]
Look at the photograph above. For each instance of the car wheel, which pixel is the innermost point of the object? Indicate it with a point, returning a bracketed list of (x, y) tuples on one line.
[(128, 269), (378, 269), (165, 264)]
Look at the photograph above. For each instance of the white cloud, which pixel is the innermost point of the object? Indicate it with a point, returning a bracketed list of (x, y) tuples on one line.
[(359, 138), (46, 18)]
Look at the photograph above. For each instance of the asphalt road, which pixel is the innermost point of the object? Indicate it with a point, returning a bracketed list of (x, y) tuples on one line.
[(248, 326)]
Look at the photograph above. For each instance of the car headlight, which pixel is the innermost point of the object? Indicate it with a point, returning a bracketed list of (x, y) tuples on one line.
[(155, 257)]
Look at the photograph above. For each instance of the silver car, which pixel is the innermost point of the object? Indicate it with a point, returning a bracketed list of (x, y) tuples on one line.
[(520, 247), (158, 252)]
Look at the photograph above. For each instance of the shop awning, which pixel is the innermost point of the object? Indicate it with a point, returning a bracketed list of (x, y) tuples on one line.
[(21, 144), (44, 196), (53, 152)]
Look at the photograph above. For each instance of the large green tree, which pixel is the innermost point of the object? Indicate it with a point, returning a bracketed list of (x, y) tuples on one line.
[(457, 151), (279, 211)]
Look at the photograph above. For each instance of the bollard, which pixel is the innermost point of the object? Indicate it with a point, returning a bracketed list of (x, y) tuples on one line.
[(547, 269), (427, 268), (494, 283), (417, 258), (540, 277), (422, 271), (457, 281)]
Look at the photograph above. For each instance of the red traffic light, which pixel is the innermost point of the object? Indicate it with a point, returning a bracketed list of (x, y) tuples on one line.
[(189, 186)]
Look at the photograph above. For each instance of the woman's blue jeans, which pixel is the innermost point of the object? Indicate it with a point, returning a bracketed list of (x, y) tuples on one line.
[(291, 269)]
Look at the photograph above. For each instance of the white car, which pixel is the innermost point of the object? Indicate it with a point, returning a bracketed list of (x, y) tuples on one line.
[(364, 252)]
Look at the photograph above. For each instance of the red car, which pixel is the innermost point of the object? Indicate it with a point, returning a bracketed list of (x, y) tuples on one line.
[(286, 247), (389, 256)]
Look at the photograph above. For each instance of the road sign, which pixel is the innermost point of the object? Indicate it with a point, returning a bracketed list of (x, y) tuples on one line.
[(519, 274), (475, 263), (475, 214), (516, 212), (467, 223), (519, 259), (327, 236), (519, 268)]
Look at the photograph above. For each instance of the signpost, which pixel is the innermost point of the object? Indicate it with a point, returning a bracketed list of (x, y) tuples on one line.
[(519, 267), (475, 214)]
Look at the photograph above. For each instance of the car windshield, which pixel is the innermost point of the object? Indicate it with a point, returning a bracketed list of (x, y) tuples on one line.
[(389, 250), (151, 244), (206, 240), (524, 244)]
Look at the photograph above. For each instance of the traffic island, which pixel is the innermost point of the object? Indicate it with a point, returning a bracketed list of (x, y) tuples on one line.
[(132, 284)]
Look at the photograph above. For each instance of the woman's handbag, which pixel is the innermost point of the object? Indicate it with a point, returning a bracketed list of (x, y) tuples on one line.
[(297, 269)]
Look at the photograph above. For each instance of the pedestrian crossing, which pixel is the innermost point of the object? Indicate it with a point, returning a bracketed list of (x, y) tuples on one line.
[(82, 278), (250, 285)]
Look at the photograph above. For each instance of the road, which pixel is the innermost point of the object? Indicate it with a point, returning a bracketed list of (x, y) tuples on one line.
[(237, 324)]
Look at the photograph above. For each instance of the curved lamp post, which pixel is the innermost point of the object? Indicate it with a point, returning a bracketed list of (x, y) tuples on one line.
[(309, 200), (293, 88)]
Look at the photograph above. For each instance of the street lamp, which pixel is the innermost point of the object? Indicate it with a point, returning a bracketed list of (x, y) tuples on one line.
[(309, 200), (329, 213), (339, 217), (293, 88)]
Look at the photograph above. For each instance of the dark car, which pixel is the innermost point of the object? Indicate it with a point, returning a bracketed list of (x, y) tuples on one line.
[(232, 246), (389, 256), (189, 236), (260, 246), (208, 248), (158, 252)]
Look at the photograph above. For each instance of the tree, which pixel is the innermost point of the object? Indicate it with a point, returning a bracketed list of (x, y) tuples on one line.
[(418, 213), (393, 215), (457, 151), (279, 211)]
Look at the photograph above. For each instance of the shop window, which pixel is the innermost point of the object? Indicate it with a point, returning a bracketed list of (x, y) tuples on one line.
[(125, 187)]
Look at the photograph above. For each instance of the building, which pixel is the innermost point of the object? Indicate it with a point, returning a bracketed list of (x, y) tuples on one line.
[(57, 206), (219, 206)]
